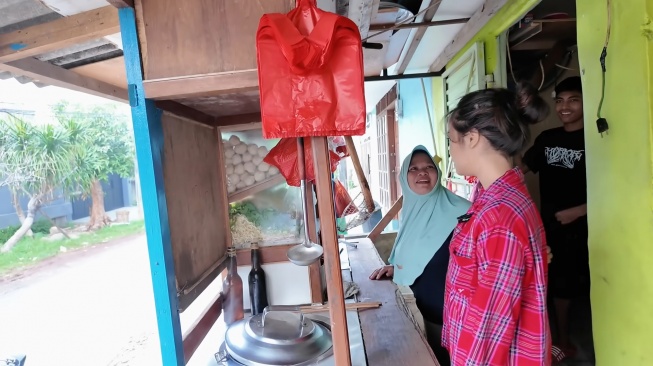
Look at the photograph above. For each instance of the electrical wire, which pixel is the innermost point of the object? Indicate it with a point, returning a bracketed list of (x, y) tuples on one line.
[(604, 54), (408, 20), (543, 75), (512, 73)]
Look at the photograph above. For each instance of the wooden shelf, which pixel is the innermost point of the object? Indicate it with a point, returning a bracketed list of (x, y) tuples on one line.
[(272, 254), (542, 34), (258, 187)]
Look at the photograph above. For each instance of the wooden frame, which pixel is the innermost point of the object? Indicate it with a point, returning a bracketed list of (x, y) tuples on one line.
[(417, 38), (58, 34), (202, 85)]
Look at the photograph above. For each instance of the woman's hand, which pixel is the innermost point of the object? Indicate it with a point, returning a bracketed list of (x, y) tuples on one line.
[(385, 271)]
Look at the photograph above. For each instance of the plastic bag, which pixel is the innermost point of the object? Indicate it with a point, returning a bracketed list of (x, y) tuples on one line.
[(310, 70), (284, 157), (342, 200)]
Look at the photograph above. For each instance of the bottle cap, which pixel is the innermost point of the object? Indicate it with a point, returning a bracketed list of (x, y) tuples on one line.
[(253, 245)]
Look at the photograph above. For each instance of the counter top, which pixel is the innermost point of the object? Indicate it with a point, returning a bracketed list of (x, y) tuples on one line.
[(389, 334)]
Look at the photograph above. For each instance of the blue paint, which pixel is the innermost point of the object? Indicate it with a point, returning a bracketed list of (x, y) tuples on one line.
[(414, 124), (17, 46), (148, 136), (133, 95)]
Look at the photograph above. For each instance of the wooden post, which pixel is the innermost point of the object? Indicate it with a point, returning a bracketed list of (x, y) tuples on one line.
[(365, 187), (394, 210), (148, 134), (314, 272), (335, 292)]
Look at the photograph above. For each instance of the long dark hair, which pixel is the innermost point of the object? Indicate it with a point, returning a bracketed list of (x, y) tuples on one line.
[(501, 116)]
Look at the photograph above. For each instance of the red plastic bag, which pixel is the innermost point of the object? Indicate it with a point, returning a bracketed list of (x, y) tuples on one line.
[(310, 70), (284, 157), (342, 200)]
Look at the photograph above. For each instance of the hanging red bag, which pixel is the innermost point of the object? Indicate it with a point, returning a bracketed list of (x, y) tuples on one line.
[(310, 70), (342, 200), (284, 157)]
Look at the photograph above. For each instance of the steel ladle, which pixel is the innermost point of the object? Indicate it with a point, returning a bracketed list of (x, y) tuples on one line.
[(307, 252)]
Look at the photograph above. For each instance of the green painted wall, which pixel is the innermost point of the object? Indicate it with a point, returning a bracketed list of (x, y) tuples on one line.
[(620, 178)]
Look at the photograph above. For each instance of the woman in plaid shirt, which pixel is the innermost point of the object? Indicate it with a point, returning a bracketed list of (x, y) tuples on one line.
[(495, 296)]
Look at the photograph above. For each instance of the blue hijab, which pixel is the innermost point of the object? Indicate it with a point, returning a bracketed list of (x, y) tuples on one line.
[(426, 222)]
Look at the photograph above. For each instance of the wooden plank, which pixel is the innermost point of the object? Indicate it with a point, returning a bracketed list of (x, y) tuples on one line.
[(196, 198), (271, 254), (473, 26), (381, 326), (203, 36), (360, 11), (315, 269), (240, 122), (225, 105), (202, 85), (47, 73), (417, 37), (392, 212), (122, 3), (436, 23), (362, 180), (258, 187), (111, 71), (58, 34), (335, 291), (193, 115), (201, 328)]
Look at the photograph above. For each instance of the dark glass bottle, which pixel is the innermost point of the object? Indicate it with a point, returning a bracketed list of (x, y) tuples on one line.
[(232, 288), (258, 294)]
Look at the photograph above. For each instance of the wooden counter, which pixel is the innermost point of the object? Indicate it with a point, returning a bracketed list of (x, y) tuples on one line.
[(390, 336)]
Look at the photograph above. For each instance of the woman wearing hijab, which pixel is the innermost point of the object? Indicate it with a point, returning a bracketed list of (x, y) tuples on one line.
[(420, 255)]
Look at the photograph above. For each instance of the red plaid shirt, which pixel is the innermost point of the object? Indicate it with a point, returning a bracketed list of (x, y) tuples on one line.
[(495, 296)]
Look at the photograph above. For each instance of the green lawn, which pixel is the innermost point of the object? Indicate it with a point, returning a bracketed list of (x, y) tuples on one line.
[(32, 250)]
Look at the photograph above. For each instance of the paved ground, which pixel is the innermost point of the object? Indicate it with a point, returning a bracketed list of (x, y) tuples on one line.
[(87, 308)]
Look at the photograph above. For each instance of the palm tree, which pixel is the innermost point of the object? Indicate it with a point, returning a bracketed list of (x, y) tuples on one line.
[(35, 160)]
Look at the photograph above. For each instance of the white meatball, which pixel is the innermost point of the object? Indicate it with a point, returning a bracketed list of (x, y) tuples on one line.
[(236, 159), (229, 169), (234, 140), (231, 189), (252, 149), (239, 169), (259, 176), (262, 151), (273, 170), (263, 167), (229, 153), (234, 179), (241, 148), (270, 173), (241, 185), (246, 157), (257, 160), (250, 167), (249, 180)]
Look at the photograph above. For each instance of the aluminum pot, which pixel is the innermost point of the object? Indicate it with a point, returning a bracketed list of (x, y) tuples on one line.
[(281, 335)]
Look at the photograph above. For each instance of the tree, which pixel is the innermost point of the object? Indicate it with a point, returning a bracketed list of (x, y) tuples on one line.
[(103, 145), (35, 160)]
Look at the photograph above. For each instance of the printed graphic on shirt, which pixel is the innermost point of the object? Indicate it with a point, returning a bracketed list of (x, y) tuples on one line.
[(562, 157)]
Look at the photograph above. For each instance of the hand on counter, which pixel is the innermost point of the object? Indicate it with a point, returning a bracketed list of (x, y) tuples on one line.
[(385, 271)]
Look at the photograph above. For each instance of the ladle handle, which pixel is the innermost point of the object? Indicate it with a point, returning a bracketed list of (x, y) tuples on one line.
[(301, 167), (301, 162), (285, 309)]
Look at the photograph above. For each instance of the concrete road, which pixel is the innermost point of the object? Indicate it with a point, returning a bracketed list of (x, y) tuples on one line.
[(89, 307)]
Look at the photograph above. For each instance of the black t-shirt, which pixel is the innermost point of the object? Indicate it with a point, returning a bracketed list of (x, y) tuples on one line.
[(428, 288), (559, 158)]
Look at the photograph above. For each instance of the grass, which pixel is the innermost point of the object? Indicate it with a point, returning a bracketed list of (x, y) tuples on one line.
[(30, 251)]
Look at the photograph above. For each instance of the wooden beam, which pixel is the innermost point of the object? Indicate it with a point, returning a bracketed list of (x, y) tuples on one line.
[(417, 38), (58, 34), (122, 3), (271, 254), (186, 112), (202, 85), (473, 26), (201, 328), (46, 73), (239, 119), (394, 210), (327, 215), (360, 11), (379, 27)]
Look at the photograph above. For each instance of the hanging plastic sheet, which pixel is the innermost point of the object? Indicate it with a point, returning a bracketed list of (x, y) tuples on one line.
[(310, 70)]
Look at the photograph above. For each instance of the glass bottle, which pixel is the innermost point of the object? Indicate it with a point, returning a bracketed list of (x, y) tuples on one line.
[(258, 294), (232, 288)]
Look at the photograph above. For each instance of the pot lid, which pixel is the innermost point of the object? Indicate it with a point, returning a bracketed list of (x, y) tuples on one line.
[(277, 337)]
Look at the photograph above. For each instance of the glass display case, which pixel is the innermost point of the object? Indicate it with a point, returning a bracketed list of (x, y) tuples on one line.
[(262, 207)]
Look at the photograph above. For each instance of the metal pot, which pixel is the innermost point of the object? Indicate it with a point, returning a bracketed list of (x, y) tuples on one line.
[(281, 335)]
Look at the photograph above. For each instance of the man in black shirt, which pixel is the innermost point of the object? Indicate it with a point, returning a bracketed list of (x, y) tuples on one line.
[(558, 155)]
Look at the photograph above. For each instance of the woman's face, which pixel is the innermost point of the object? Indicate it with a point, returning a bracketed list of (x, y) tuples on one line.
[(459, 152), (422, 173)]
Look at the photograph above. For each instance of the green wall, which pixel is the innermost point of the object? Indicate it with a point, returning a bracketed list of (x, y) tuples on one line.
[(620, 178)]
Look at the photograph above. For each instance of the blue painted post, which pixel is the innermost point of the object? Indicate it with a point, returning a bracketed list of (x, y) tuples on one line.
[(148, 136)]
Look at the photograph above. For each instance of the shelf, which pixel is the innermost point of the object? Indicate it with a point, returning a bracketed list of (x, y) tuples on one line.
[(273, 254), (258, 187), (542, 35)]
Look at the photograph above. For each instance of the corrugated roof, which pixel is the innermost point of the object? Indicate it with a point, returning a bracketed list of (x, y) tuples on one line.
[(20, 14)]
